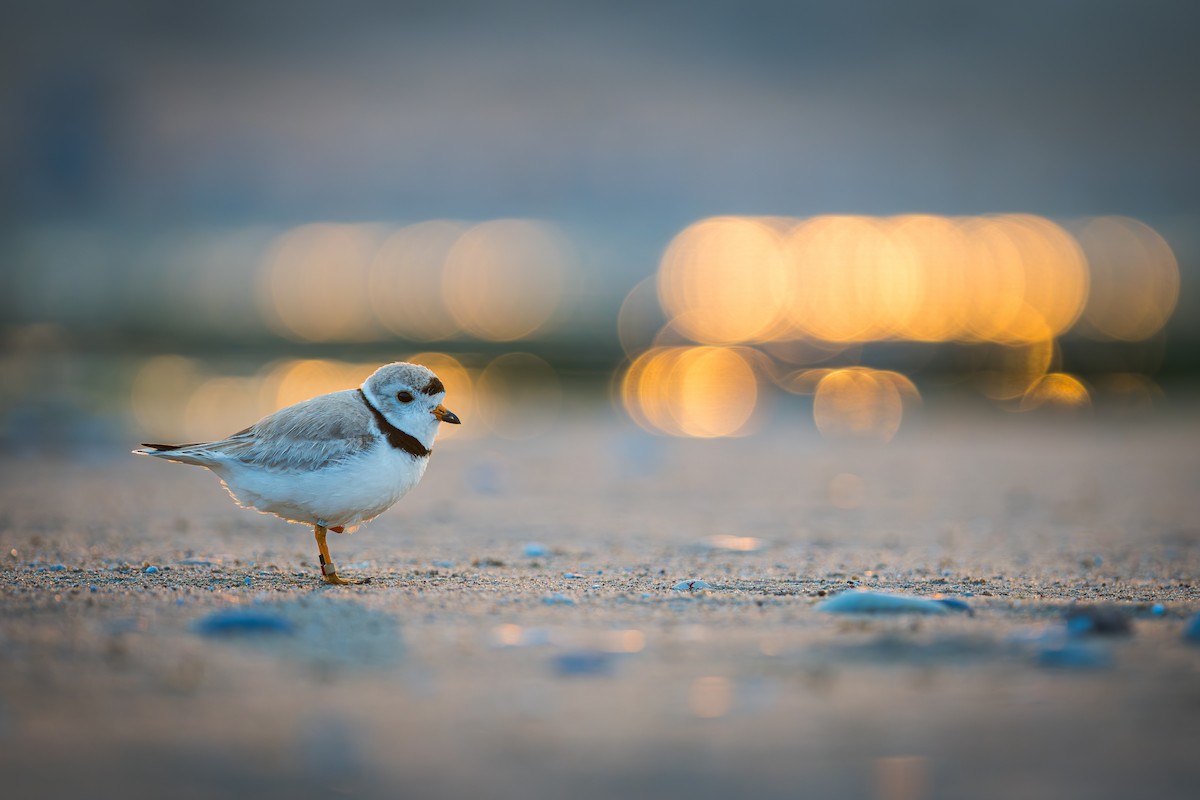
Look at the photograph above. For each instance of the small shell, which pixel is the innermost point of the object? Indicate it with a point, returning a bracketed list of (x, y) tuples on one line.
[(854, 602), (693, 585)]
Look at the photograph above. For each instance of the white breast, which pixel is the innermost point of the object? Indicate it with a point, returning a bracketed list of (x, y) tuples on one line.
[(343, 495)]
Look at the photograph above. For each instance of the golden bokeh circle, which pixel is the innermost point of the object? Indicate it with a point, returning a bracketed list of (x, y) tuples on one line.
[(504, 279), (723, 280), (857, 403), (314, 283), (1135, 279)]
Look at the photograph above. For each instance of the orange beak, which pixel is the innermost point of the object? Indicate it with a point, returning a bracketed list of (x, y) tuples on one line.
[(446, 415)]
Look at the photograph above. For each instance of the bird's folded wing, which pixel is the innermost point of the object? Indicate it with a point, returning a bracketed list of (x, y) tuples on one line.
[(312, 435)]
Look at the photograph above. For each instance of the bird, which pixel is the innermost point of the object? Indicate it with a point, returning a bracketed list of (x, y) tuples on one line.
[(334, 461)]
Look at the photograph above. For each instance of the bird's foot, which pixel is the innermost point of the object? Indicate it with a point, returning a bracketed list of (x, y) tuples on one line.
[(337, 580), (329, 573)]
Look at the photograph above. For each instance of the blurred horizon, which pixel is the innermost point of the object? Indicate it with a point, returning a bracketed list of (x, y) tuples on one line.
[(687, 201)]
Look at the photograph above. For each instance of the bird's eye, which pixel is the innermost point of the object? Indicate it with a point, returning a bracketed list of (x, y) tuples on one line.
[(404, 397)]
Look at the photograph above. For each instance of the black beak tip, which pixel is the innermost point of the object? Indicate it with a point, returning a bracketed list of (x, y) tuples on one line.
[(452, 418)]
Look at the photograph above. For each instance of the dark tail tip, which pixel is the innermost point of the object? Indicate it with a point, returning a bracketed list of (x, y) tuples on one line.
[(162, 448)]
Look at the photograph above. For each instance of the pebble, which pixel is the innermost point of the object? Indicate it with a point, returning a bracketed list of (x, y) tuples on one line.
[(861, 602), (954, 604), (150, 570), (248, 581), (1158, 609), (57, 568), (691, 585), (558, 599), (1192, 632), (238, 622), (535, 550), (1097, 620), (584, 662), (443, 564)]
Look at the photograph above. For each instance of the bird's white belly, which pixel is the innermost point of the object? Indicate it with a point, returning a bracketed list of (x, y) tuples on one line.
[(343, 495)]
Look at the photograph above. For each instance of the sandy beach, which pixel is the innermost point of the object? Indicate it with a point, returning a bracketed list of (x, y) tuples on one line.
[(526, 633)]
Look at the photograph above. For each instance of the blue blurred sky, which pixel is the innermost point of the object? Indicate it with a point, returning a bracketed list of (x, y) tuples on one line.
[(624, 115)]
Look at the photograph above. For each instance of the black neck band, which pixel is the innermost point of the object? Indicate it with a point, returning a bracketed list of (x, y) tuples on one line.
[(396, 437)]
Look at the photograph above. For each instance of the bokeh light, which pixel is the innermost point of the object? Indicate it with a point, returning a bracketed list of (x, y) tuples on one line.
[(640, 318), (500, 280), (406, 280), (1057, 391), (787, 294), (692, 391), (1054, 275), (852, 282), (845, 279), (1007, 371), (504, 279), (1135, 279), (1129, 392), (723, 280), (314, 283), (861, 403)]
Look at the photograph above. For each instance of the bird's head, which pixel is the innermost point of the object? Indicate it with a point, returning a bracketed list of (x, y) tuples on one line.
[(410, 397)]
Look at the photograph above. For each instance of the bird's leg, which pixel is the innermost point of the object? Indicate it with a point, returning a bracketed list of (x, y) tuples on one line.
[(328, 568)]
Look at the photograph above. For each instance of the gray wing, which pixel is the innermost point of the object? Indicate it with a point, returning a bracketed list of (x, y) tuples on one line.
[(308, 436)]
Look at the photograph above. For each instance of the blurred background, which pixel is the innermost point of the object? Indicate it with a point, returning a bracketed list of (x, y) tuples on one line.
[(699, 218)]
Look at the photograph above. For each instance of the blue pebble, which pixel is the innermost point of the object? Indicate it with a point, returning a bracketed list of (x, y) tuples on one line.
[(57, 568), (535, 550), (237, 622), (558, 599), (1158, 609), (248, 581), (584, 662), (92, 588), (151, 570), (955, 604)]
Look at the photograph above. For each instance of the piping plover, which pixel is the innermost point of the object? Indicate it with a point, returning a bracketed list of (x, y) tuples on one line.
[(334, 461)]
